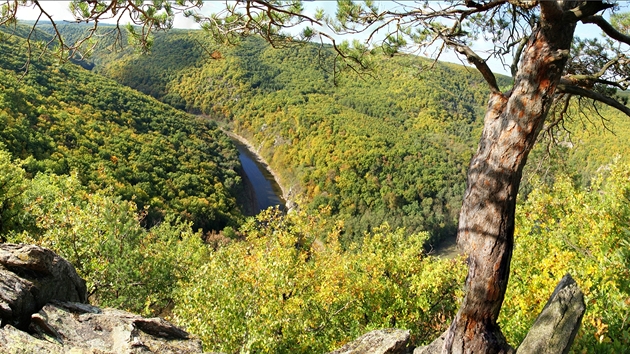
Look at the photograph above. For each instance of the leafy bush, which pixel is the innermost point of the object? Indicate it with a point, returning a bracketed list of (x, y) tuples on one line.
[(585, 232), (287, 290), (12, 186), (124, 264)]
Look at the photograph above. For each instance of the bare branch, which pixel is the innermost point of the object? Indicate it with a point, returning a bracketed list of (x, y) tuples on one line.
[(28, 46), (590, 80), (560, 117), (477, 61), (271, 7), (524, 4), (375, 31), (517, 56), (607, 28), (340, 53), (564, 87), (57, 33), (482, 8), (587, 9), (11, 15)]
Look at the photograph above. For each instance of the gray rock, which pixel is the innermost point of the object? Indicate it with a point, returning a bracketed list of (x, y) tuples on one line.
[(17, 301), (43, 310), (62, 327), (32, 276), (558, 323), (160, 328), (434, 348), (382, 341), (14, 341)]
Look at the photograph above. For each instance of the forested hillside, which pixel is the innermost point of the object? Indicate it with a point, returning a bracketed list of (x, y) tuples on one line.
[(63, 119), (588, 140), (82, 157), (394, 147), (390, 146)]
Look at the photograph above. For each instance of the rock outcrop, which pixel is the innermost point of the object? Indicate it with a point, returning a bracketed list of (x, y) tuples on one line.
[(66, 327), (43, 310), (31, 277), (434, 348), (554, 329), (382, 341), (558, 323)]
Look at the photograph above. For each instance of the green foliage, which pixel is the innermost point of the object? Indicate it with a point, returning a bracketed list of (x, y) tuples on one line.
[(287, 290), (11, 188), (62, 119), (621, 22), (288, 287), (361, 151), (391, 147), (582, 231), (178, 50), (590, 136), (125, 265)]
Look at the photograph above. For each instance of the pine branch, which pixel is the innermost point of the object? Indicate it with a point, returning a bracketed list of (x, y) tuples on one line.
[(564, 87), (607, 28)]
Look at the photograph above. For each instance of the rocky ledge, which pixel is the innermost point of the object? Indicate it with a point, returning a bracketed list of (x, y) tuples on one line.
[(553, 331), (43, 309)]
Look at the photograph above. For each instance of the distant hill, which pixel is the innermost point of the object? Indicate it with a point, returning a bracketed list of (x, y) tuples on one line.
[(390, 146), (64, 119)]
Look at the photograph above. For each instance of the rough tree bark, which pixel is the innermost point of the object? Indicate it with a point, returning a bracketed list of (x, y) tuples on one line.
[(486, 224)]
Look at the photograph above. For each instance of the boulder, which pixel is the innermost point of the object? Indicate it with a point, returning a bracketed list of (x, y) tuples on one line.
[(434, 348), (43, 310), (382, 341), (65, 327), (554, 329), (32, 276), (558, 323)]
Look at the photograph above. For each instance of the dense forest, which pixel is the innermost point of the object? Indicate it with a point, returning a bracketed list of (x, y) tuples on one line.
[(389, 146), (119, 183), (62, 119)]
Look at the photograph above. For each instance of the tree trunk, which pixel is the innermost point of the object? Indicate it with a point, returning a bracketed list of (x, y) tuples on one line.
[(486, 223)]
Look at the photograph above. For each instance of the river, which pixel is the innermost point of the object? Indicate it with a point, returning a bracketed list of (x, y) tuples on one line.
[(265, 191)]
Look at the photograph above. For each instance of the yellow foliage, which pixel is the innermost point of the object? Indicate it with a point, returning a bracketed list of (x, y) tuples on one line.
[(291, 288), (584, 232)]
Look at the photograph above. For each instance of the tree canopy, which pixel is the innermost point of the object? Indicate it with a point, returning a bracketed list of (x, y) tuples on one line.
[(391, 147), (62, 119), (549, 67)]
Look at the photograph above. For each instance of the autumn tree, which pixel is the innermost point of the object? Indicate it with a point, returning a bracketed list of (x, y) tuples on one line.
[(535, 39)]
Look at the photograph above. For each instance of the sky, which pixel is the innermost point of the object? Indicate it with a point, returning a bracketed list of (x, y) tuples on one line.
[(60, 12)]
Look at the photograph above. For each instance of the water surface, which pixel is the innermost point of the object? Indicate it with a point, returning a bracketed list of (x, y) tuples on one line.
[(266, 190)]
